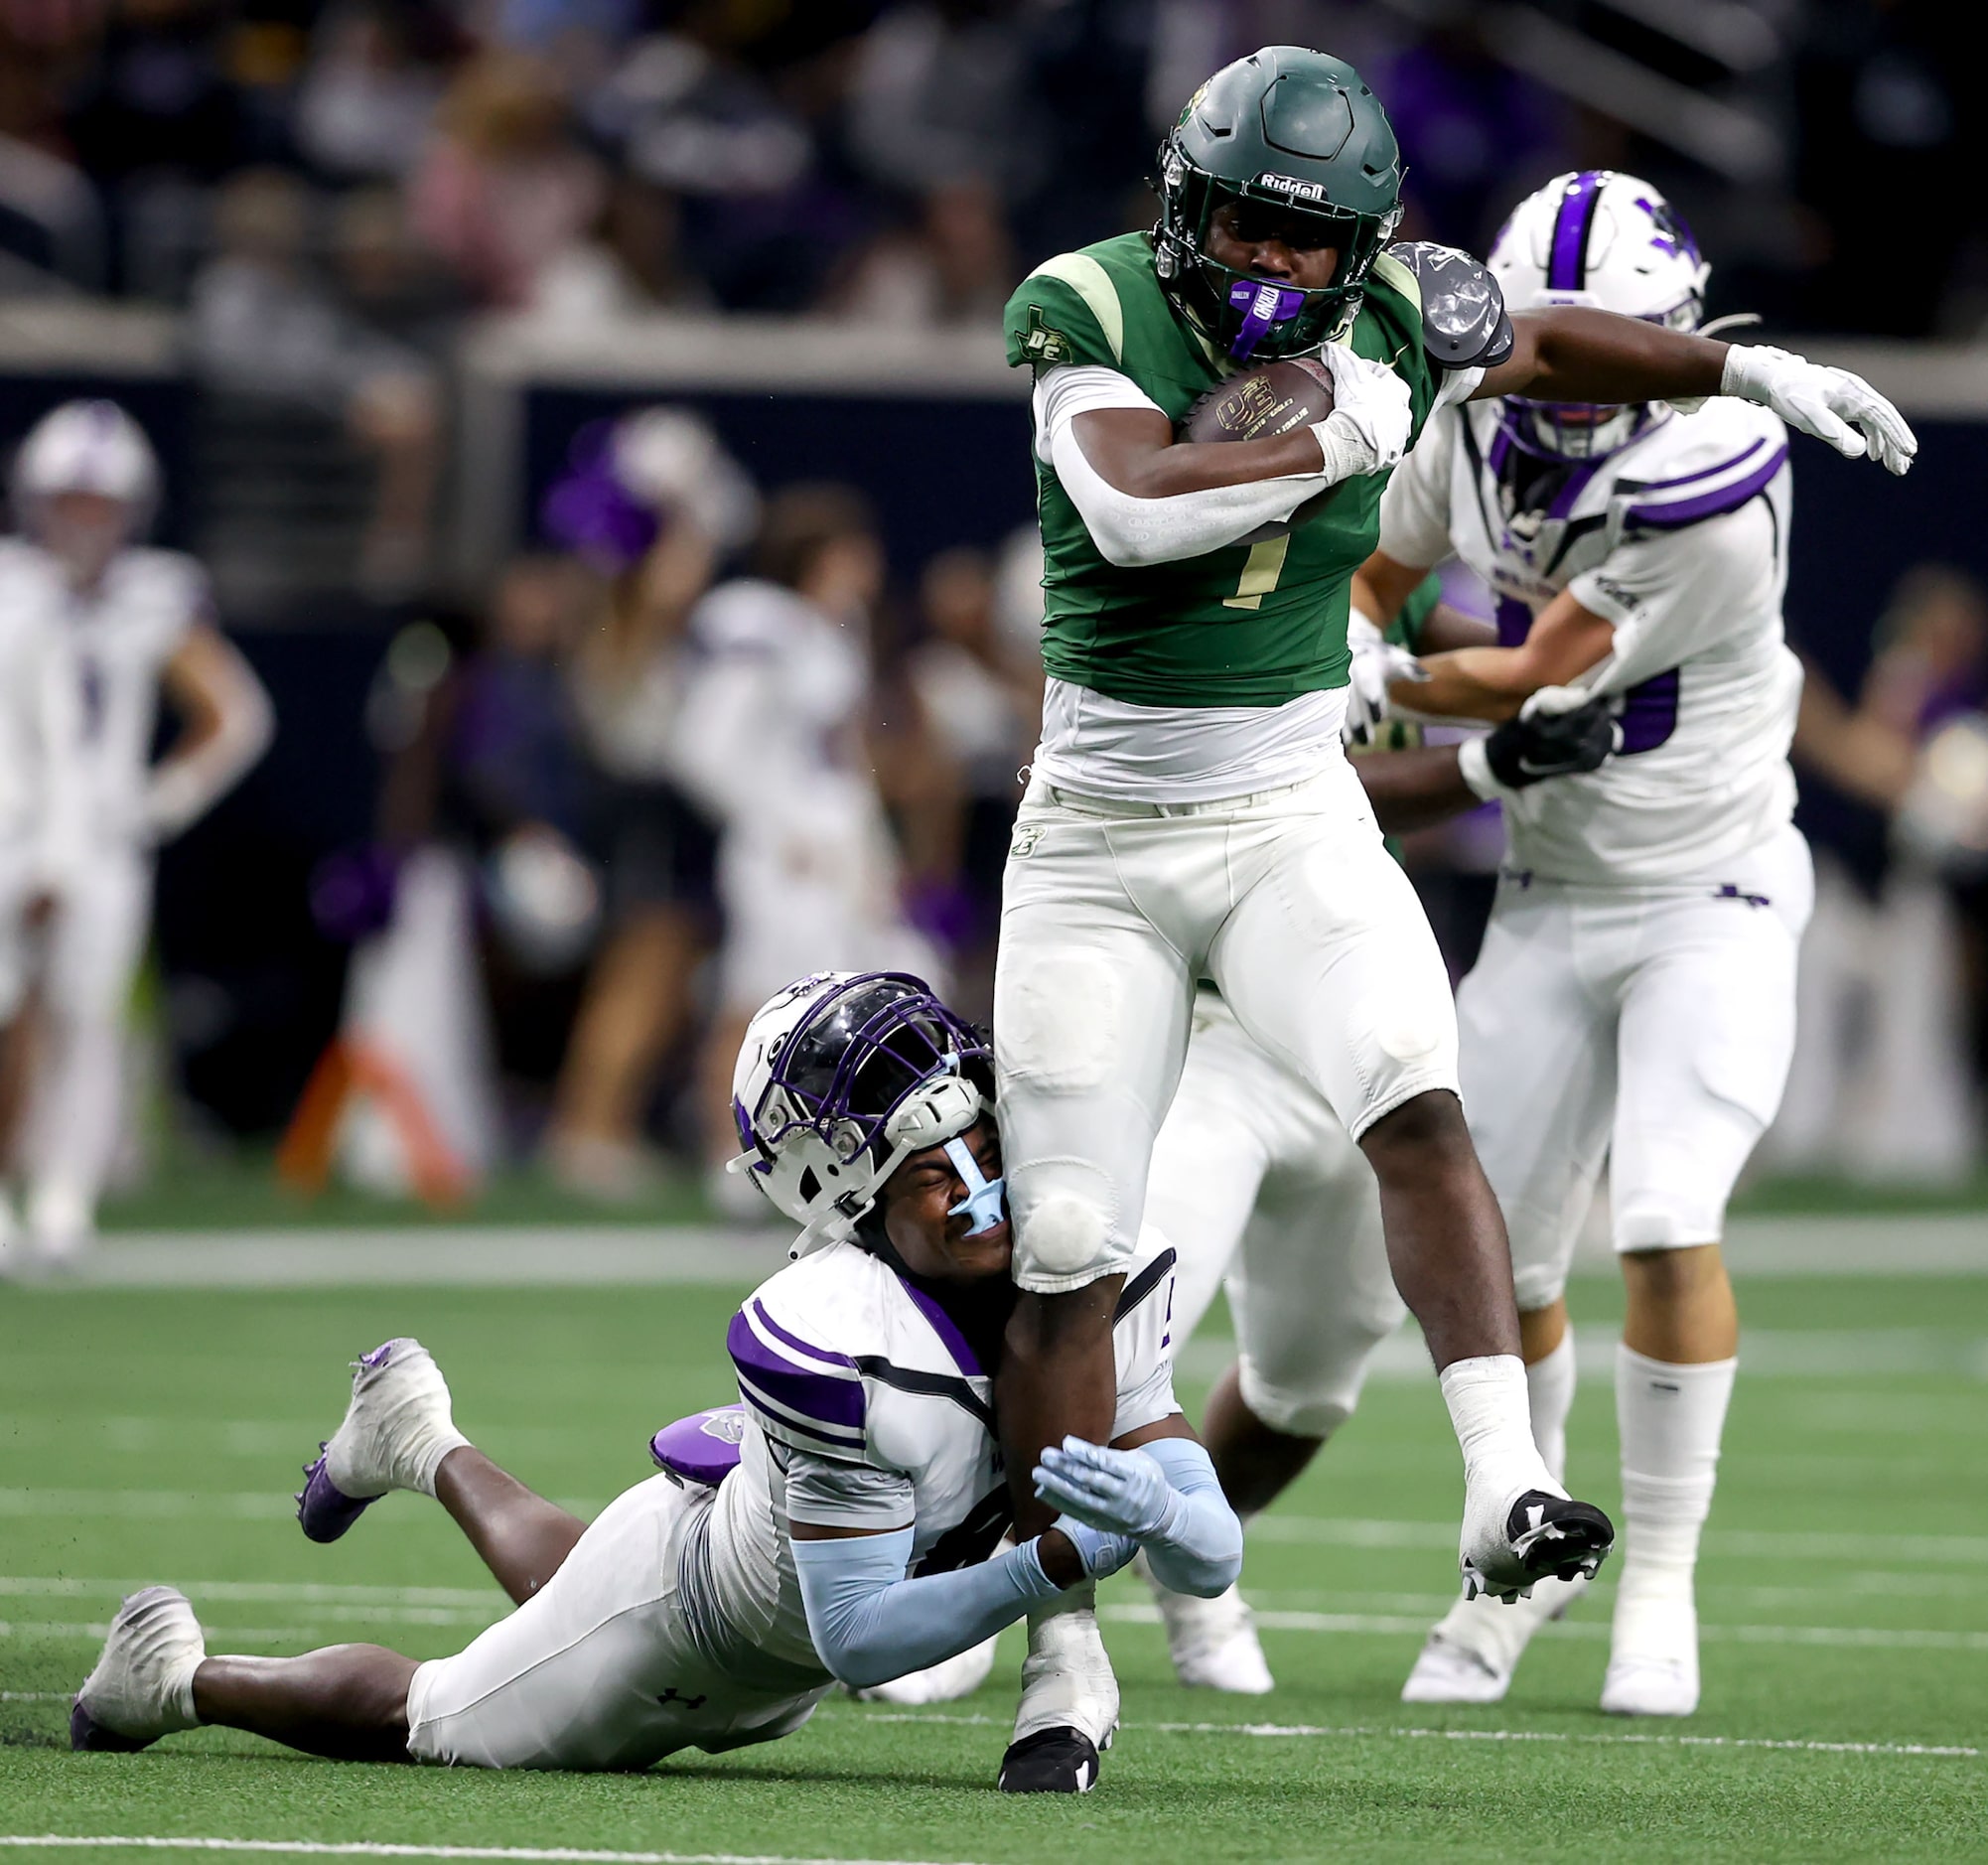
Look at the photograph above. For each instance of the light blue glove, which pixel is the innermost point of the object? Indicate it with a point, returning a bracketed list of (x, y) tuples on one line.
[(1163, 1496), (1120, 1492)]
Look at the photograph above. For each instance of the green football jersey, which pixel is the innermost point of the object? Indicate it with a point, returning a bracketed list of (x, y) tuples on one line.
[(1250, 625)]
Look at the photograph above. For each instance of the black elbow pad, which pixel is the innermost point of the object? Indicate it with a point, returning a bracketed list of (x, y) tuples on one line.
[(1464, 321)]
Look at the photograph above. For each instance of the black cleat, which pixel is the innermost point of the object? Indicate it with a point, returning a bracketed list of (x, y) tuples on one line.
[(1553, 1537), (1051, 1760)]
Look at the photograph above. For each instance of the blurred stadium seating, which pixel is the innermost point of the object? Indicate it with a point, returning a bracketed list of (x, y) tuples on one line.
[(373, 277)]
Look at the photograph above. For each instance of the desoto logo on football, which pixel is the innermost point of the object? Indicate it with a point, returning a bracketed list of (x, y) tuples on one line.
[(1291, 186)]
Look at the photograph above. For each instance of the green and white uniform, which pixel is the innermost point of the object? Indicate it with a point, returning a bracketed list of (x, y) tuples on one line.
[(1191, 813), (1216, 675)]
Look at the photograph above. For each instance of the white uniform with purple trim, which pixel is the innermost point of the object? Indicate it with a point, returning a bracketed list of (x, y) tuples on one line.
[(111, 647), (1635, 999), (676, 1621)]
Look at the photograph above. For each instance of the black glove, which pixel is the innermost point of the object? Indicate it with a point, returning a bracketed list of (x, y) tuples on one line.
[(1544, 741)]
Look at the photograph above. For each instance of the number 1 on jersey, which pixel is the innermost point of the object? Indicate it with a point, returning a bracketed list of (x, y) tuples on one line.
[(1260, 571)]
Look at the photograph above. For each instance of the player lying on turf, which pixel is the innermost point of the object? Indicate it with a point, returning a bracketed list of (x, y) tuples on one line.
[(855, 1535), (1190, 815)]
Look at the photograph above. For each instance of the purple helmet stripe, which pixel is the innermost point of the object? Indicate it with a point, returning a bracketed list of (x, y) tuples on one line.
[(1567, 266), (1721, 499)]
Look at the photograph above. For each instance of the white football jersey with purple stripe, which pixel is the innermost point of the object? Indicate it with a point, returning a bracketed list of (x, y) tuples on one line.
[(1680, 540), (867, 1407), (117, 638)]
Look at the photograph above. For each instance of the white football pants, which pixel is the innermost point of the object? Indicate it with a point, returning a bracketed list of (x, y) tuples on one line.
[(1255, 1182), (91, 954), (1651, 1029), (1113, 911), (600, 1668)]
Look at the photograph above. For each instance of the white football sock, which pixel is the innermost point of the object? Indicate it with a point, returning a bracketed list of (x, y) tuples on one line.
[(1067, 1679), (1549, 1392), (1670, 1418), (1489, 1410)]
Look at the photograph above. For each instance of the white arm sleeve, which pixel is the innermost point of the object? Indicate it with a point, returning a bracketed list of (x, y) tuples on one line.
[(1416, 506), (1131, 532), (1458, 385)]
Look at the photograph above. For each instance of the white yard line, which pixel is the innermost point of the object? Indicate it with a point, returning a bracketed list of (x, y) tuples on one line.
[(1766, 1544), (1362, 1733), (1389, 1625), (486, 1255), (312, 1631), (366, 1848), (1889, 1244)]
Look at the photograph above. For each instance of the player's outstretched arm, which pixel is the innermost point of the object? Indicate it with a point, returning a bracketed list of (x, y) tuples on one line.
[(1575, 354), (869, 1624)]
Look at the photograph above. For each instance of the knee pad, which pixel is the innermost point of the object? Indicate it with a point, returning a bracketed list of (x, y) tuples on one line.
[(1066, 1226), (1298, 1414), (1672, 1192)]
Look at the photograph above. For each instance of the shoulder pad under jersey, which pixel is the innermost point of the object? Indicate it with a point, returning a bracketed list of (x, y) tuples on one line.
[(1464, 321)]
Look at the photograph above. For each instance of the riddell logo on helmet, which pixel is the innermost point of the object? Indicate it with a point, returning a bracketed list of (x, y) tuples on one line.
[(1289, 184)]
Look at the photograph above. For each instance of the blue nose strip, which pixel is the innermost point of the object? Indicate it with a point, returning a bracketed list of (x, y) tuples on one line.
[(984, 1198)]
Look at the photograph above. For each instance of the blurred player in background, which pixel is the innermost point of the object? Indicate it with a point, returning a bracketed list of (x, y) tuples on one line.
[(132, 623), (1191, 814), (1633, 1002), (1263, 1191), (770, 743)]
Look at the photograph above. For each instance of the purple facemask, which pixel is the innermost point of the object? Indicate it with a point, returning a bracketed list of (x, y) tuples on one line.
[(1262, 304)]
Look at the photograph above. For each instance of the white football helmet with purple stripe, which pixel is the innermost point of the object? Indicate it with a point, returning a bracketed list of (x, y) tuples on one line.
[(1610, 242), (841, 1077), (87, 447)]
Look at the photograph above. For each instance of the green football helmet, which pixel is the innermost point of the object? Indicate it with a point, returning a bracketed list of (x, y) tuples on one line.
[(1294, 129)]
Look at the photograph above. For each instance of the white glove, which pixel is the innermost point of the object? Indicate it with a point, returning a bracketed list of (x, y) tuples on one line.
[(1376, 663), (1368, 429), (1832, 404)]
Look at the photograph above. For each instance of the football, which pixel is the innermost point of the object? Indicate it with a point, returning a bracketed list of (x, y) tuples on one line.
[(1261, 403)]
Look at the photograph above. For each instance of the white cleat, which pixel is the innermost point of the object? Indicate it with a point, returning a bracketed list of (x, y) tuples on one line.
[(62, 1225), (1653, 1663), (398, 1428), (1212, 1643), (1475, 1648), (143, 1686), (944, 1683)]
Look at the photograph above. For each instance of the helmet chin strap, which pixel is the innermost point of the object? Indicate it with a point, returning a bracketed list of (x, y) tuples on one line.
[(984, 1197)]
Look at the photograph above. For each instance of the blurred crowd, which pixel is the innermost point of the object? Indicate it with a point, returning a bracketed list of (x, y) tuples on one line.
[(327, 182), (686, 752)]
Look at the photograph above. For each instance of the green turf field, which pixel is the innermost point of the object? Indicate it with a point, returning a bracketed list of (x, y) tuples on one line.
[(155, 1436)]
